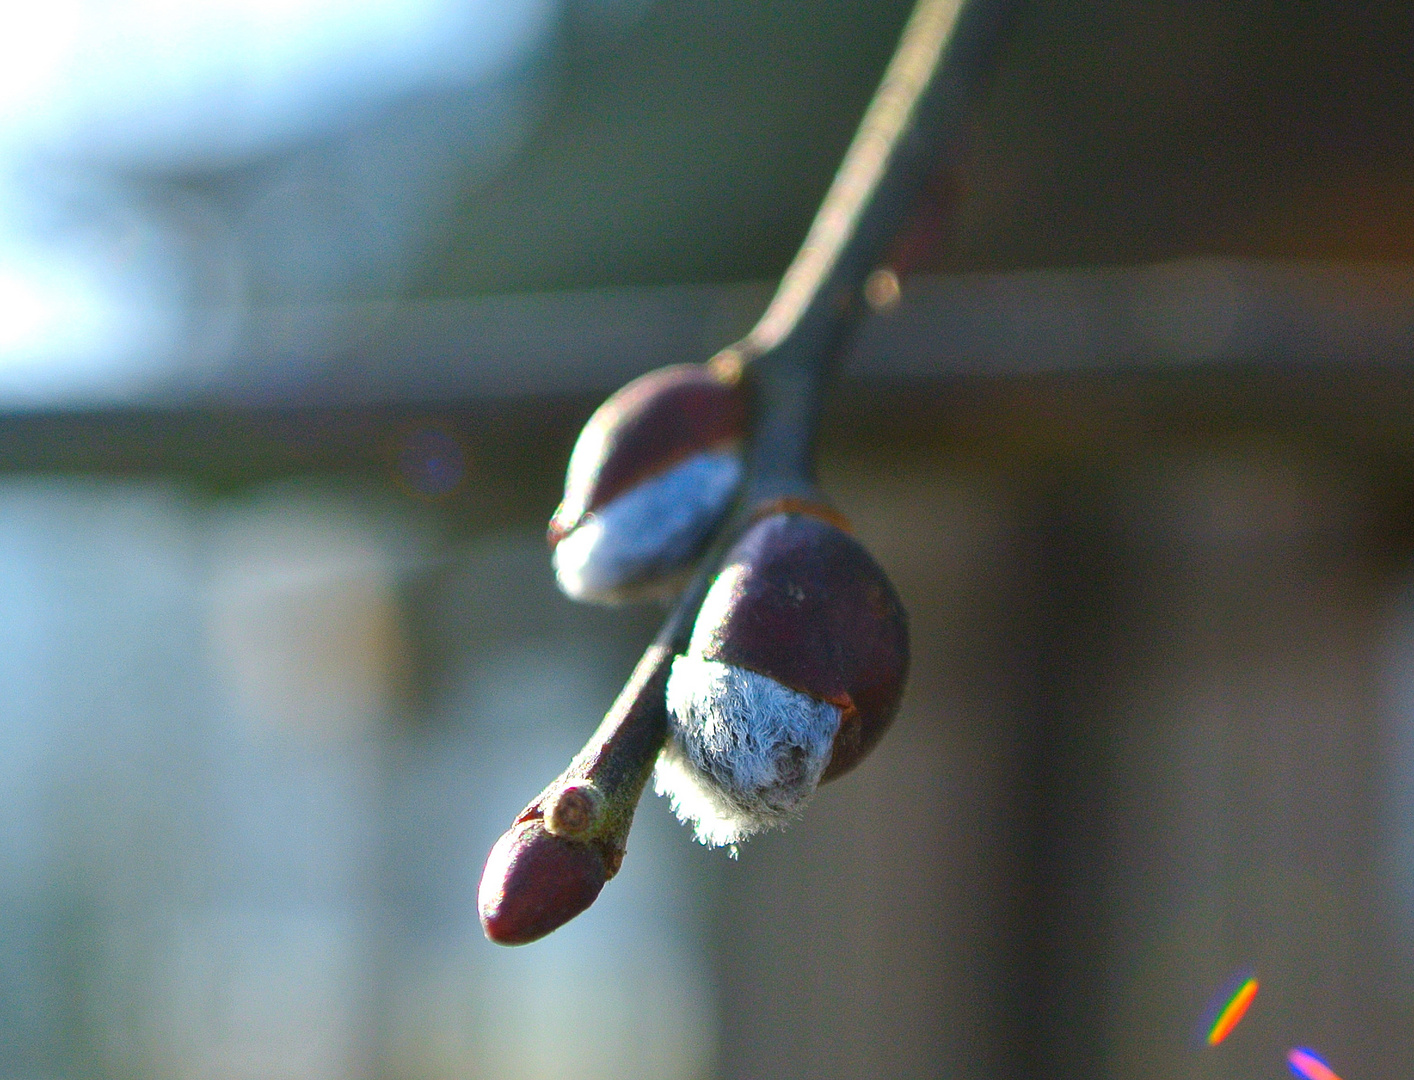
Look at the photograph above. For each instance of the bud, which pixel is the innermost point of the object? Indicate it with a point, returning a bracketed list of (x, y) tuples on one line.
[(535, 881), (651, 475), (794, 670)]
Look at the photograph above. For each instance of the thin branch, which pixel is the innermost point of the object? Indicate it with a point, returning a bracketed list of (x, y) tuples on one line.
[(786, 359)]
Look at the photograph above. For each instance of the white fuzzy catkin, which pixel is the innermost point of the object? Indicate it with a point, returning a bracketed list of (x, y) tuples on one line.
[(649, 531), (745, 753)]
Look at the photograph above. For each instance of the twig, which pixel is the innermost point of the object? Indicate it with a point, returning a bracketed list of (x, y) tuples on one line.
[(786, 360)]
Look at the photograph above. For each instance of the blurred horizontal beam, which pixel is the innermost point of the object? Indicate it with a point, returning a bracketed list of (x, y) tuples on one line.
[(494, 348), (1147, 317), (528, 345)]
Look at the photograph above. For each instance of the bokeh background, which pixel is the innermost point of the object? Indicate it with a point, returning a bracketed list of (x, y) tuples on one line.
[(301, 307)]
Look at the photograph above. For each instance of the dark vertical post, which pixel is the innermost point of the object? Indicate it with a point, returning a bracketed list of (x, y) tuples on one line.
[(1068, 632)]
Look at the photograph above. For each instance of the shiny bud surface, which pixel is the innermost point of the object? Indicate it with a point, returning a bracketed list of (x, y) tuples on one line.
[(795, 668), (534, 882), (651, 475)]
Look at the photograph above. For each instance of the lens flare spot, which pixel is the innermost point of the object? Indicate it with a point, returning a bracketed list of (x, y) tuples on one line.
[(1232, 1008), (1305, 1064), (431, 462)]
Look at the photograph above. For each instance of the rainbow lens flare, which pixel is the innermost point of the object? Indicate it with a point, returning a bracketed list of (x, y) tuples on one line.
[(1234, 1009), (1305, 1064)]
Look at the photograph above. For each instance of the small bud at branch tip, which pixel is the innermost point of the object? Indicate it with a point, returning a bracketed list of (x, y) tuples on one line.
[(534, 882)]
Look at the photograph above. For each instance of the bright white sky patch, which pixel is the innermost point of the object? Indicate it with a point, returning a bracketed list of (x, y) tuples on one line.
[(158, 80), (89, 88), (61, 328)]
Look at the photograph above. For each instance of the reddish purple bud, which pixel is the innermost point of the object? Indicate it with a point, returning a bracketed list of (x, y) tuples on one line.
[(535, 882), (650, 425), (795, 669), (803, 602), (653, 473)]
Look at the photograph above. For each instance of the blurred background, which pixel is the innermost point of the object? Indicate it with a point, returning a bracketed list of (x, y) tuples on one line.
[(301, 307)]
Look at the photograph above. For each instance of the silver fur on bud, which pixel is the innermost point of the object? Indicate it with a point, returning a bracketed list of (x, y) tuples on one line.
[(745, 753), (649, 532)]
